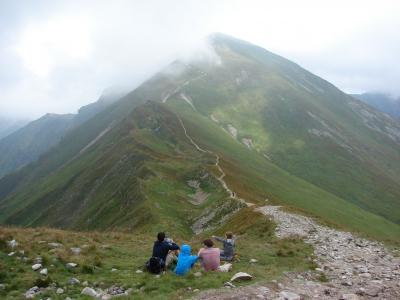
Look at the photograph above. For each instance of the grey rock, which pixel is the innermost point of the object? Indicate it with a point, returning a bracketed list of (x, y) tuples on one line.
[(76, 250), (241, 275), (374, 293), (361, 292), (289, 296), (347, 282), (263, 289), (89, 291), (43, 272), (38, 260), (349, 297), (12, 244), (228, 284), (36, 267), (71, 265), (73, 281)]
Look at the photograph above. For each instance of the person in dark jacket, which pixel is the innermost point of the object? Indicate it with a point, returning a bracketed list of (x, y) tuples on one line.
[(185, 260), (165, 248), (227, 252)]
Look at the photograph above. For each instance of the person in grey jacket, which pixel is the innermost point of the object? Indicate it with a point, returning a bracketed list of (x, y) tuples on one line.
[(227, 253)]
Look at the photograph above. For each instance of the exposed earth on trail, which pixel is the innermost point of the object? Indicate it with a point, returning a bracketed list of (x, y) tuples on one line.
[(354, 268)]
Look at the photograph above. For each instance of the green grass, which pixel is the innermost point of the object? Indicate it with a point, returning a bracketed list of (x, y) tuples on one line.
[(256, 179), (127, 253), (134, 179)]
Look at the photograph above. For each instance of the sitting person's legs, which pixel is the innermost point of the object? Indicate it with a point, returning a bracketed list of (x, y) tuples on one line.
[(222, 256), (225, 267), (170, 256)]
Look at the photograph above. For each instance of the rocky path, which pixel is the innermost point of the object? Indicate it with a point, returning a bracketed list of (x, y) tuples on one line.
[(355, 268), (165, 98)]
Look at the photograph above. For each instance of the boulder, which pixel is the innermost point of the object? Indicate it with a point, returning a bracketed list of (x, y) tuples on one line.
[(76, 250), (71, 265), (241, 275), (89, 291), (36, 267), (43, 272), (289, 296), (73, 281), (38, 260)]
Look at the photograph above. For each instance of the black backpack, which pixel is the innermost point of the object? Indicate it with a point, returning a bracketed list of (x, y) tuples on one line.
[(156, 265)]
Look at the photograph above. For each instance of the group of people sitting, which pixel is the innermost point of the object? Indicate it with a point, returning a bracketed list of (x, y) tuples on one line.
[(166, 249)]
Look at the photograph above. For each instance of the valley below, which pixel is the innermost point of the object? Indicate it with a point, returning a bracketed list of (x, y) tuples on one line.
[(305, 176)]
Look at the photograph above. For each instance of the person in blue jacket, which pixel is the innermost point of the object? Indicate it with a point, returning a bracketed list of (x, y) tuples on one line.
[(185, 260)]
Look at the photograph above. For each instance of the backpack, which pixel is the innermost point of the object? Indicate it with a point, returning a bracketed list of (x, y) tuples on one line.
[(156, 265)]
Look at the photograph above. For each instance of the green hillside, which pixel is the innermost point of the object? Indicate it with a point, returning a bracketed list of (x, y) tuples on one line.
[(268, 129), (29, 142)]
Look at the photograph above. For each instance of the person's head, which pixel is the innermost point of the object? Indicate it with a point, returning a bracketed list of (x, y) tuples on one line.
[(185, 250), (208, 242), (161, 236), (229, 235)]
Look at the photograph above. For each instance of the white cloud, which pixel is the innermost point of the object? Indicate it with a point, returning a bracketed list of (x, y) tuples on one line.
[(60, 55)]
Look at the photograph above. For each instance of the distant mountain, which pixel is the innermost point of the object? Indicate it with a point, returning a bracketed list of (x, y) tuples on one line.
[(207, 139), (108, 97), (8, 126), (29, 142), (382, 102)]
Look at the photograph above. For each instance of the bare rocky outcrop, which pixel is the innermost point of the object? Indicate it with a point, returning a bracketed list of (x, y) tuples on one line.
[(200, 195)]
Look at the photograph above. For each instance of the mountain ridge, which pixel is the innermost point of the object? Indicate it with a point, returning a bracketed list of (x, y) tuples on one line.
[(285, 123), (382, 102), (26, 144)]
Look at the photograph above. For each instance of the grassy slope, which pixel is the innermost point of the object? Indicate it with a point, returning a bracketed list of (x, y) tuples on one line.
[(78, 138), (29, 142), (255, 179), (126, 252), (274, 115), (136, 174), (140, 181)]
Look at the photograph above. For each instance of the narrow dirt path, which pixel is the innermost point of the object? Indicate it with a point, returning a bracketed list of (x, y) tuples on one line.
[(355, 268), (220, 178)]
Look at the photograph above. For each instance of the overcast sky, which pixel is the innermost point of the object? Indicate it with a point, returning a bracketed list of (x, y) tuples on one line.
[(56, 56)]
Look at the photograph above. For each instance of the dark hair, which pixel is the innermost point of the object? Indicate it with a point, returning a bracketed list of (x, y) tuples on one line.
[(161, 236), (208, 242), (229, 235)]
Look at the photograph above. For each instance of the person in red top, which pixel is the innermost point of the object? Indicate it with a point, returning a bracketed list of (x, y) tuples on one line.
[(210, 257)]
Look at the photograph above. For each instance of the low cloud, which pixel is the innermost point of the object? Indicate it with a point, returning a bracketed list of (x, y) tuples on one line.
[(57, 56)]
